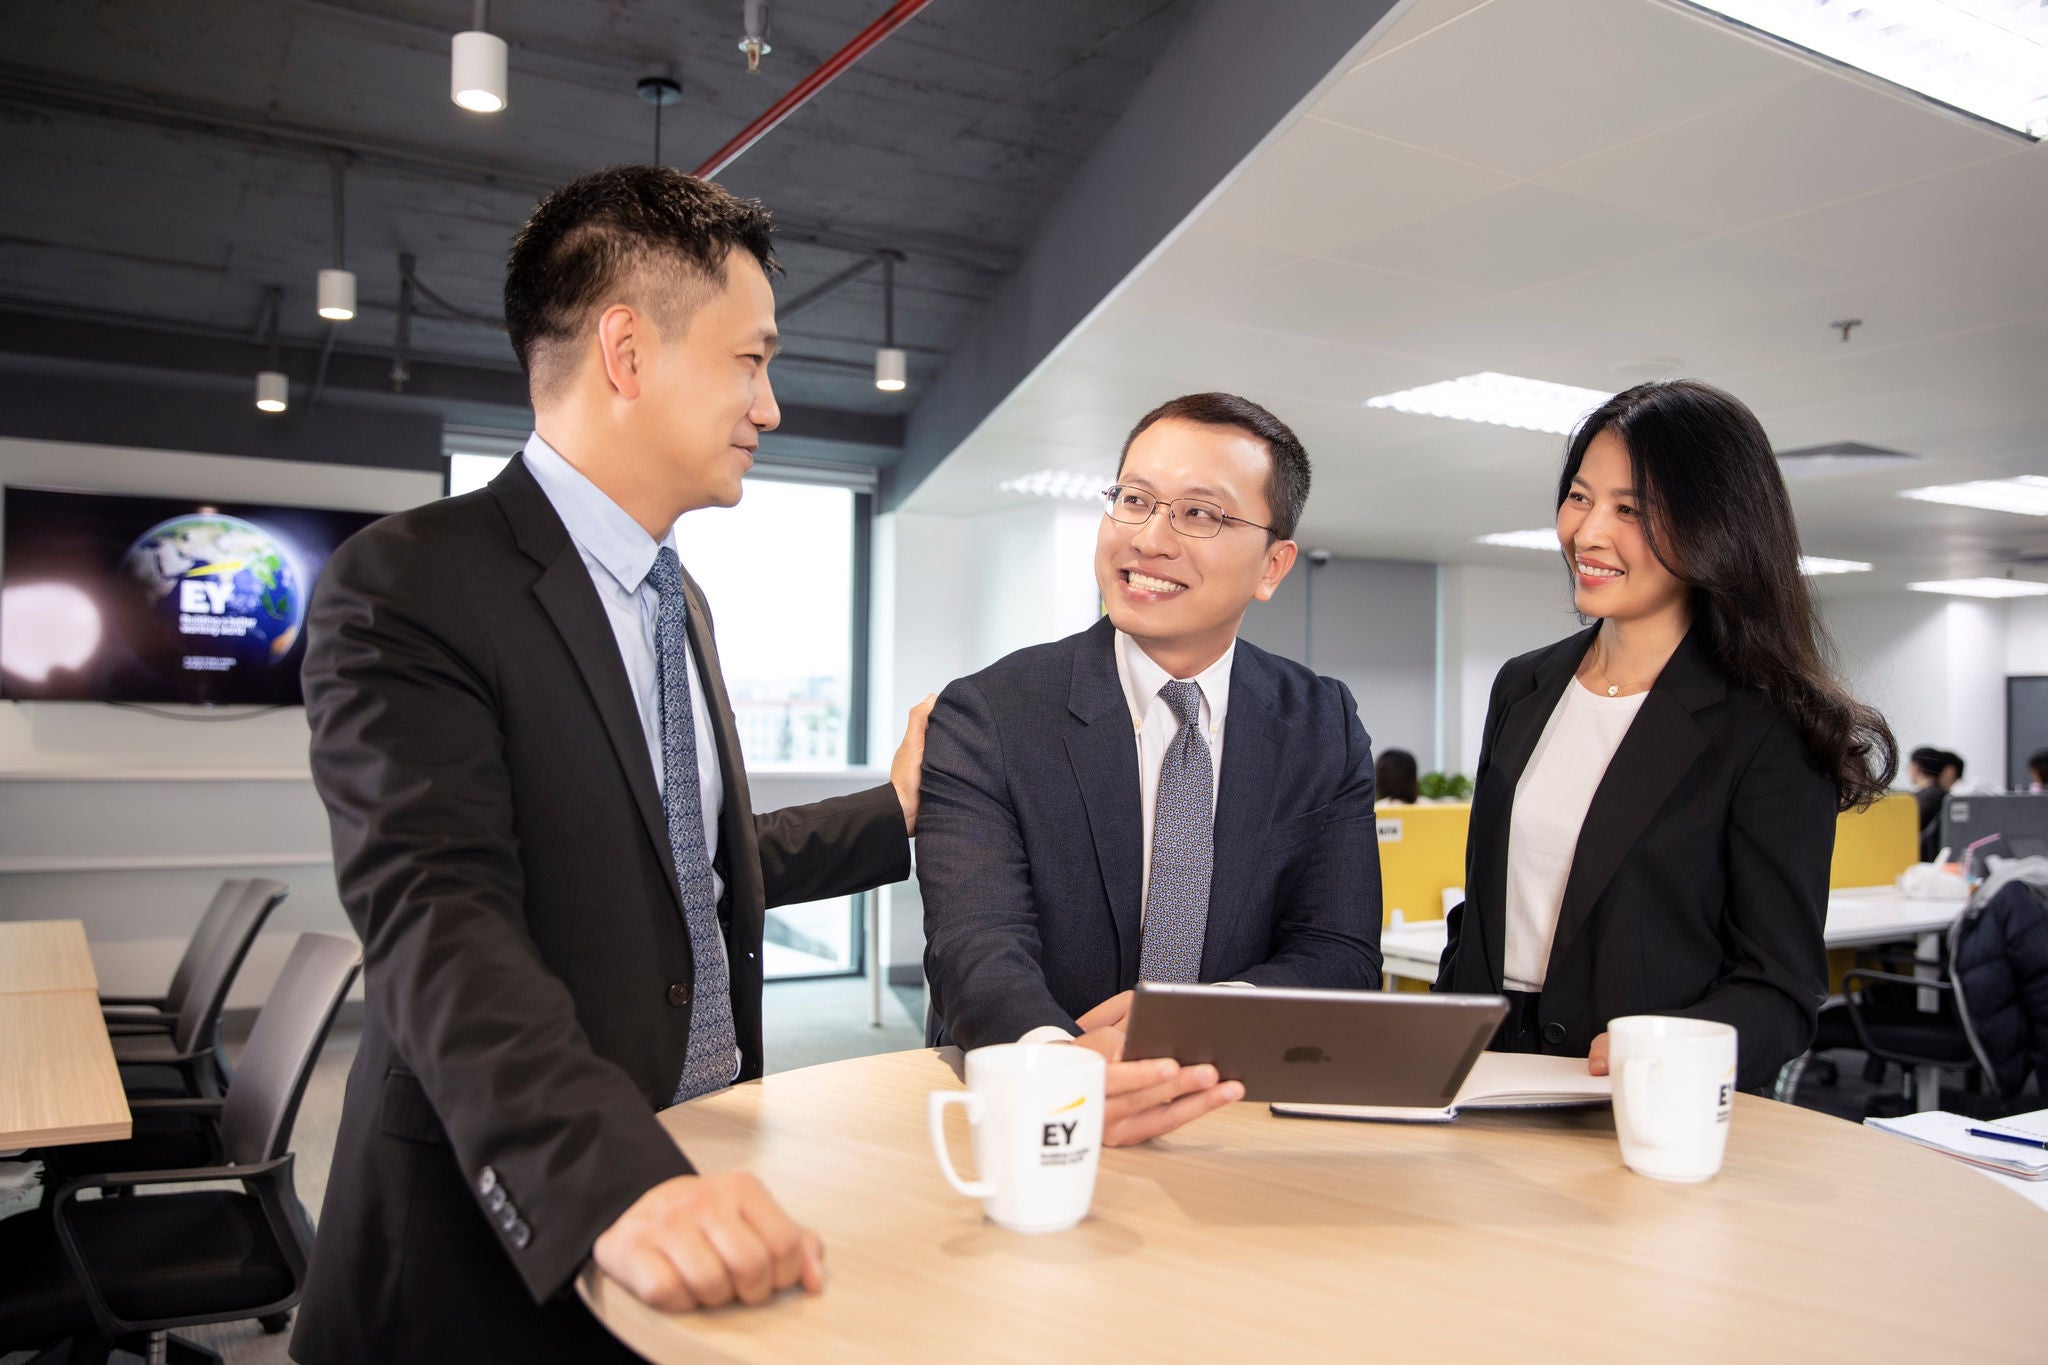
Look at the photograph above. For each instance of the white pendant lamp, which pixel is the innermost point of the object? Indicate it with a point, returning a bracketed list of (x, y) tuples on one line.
[(336, 293), (892, 369), (476, 72), (273, 389)]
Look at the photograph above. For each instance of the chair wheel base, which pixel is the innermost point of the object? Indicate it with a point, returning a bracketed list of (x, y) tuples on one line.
[(275, 1323)]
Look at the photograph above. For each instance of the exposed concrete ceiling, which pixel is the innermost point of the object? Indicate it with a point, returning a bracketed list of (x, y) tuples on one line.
[(1591, 192), (166, 164)]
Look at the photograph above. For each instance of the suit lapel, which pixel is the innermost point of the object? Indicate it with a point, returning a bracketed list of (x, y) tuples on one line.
[(566, 593), (1104, 752), (1494, 811), (1661, 746), (1244, 795)]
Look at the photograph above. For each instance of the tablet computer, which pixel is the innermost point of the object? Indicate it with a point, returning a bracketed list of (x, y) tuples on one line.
[(1299, 1046)]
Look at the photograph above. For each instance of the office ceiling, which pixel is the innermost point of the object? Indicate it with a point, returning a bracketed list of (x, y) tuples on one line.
[(166, 163), (1591, 192)]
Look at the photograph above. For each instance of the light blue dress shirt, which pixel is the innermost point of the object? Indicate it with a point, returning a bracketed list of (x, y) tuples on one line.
[(618, 552)]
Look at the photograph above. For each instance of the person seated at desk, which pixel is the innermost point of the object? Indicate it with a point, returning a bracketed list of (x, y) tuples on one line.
[(1395, 778), (1152, 799), (2037, 771), (1655, 807), (1927, 769)]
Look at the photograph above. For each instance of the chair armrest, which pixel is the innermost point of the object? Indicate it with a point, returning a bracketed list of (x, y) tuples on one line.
[(117, 1027), (147, 1002), (1855, 977), (1891, 978), (263, 1175)]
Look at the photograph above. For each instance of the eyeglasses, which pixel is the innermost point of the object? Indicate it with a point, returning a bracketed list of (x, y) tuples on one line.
[(1189, 516)]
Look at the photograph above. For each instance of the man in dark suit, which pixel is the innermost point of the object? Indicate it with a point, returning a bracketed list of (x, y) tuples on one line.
[(1153, 798), (542, 828)]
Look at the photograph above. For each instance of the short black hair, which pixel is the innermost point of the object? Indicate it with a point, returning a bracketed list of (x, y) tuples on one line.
[(2037, 764), (1928, 759), (586, 239), (1286, 482), (1951, 759)]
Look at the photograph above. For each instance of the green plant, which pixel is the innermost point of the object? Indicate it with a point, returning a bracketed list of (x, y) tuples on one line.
[(1445, 786)]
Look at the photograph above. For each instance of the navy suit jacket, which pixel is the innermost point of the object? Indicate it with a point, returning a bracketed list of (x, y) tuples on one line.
[(1030, 839)]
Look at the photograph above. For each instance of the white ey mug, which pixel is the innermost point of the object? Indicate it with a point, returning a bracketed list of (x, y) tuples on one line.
[(1674, 1089), (1036, 1113)]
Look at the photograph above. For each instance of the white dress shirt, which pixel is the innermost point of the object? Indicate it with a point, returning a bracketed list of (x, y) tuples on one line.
[(618, 552), (1156, 726), (1551, 801)]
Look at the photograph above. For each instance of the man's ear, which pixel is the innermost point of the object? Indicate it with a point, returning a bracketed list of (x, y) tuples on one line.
[(1279, 559), (621, 333)]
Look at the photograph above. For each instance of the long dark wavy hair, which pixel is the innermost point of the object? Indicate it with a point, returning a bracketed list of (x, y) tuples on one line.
[(1715, 513)]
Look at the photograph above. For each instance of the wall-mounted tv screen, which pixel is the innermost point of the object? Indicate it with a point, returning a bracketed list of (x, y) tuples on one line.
[(123, 599)]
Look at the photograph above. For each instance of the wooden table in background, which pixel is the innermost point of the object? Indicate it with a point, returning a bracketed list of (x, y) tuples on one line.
[(1246, 1237), (58, 1080)]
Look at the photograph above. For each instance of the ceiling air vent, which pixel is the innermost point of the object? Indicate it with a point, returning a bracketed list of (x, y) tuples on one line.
[(1839, 457)]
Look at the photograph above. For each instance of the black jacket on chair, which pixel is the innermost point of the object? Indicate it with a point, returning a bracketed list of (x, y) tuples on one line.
[(1699, 886), (500, 847), (1031, 839)]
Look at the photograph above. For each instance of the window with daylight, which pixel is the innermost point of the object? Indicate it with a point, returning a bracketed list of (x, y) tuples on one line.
[(779, 571)]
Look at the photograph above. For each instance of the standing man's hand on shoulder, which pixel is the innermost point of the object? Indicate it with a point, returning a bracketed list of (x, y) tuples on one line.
[(701, 1241), (906, 772)]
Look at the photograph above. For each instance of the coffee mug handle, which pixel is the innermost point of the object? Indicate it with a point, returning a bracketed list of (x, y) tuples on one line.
[(1642, 1120), (935, 1109)]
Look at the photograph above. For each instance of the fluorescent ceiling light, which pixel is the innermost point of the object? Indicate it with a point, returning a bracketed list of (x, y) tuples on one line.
[(1545, 539), (1985, 57), (1811, 565), (2026, 495), (1057, 483), (1504, 400), (1983, 587)]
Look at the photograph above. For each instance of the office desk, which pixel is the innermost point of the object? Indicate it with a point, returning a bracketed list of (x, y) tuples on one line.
[(58, 1080), (1246, 1237), (1856, 919)]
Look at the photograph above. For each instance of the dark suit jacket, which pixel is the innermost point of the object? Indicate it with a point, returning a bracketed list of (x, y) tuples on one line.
[(1030, 839), (1700, 883), (500, 846)]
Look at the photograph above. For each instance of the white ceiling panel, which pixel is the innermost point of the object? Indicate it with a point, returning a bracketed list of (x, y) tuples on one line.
[(1790, 150), (1325, 300), (1523, 87)]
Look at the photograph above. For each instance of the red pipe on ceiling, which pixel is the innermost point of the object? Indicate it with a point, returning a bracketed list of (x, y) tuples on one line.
[(899, 14)]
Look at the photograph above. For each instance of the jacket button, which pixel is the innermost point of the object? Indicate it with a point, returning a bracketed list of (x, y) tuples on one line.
[(496, 1199), (1553, 1034), (679, 995), (520, 1234), (486, 1180)]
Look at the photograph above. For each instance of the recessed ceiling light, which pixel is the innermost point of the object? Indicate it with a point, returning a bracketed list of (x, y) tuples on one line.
[(1984, 587), (2026, 495), (1986, 57), (1504, 400), (1817, 564), (1545, 539), (1057, 483)]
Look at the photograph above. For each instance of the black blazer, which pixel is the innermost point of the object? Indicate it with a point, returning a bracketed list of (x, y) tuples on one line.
[(1700, 883), (1030, 839), (500, 846)]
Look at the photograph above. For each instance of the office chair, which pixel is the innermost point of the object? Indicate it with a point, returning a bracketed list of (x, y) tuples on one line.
[(187, 1060), (159, 1013), (88, 1276)]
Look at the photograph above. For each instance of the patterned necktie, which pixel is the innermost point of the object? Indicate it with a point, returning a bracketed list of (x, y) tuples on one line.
[(1183, 847), (708, 1058)]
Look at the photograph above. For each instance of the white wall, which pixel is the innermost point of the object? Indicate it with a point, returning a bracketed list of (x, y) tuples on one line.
[(127, 819), (1489, 615), (2026, 638), (1935, 666)]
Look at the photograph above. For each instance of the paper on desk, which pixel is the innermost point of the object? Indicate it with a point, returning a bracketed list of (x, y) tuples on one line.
[(1498, 1080), (1949, 1133)]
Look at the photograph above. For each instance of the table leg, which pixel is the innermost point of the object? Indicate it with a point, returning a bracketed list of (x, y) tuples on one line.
[(872, 908), (1926, 953)]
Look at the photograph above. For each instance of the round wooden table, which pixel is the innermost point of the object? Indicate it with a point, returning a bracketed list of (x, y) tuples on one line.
[(1244, 1236)]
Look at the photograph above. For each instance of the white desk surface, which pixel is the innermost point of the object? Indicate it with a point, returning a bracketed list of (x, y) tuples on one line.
[(1856, 918)]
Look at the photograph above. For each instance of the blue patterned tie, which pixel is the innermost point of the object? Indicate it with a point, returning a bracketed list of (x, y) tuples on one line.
[(708, 1057), (1183, 847)]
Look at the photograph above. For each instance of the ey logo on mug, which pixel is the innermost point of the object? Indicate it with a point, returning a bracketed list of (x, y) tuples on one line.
[(1056, 1145)]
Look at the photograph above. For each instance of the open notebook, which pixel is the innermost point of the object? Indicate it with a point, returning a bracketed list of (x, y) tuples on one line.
[(1498, 1080), (1950, 1133)]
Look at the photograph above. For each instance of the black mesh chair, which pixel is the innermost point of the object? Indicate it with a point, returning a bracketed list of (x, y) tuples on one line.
[(83, 1277), (187, 1060), (159, 1013)]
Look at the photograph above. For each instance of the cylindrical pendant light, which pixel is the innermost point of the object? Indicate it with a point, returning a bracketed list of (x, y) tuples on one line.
[(273, 391), (476, 73), (337, 295), (892, 365)]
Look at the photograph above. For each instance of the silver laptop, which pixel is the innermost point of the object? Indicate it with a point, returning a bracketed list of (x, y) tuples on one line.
[(1293, 1046)]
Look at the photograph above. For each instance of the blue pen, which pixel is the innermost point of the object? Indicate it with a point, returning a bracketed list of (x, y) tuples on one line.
[(2009, 1137)]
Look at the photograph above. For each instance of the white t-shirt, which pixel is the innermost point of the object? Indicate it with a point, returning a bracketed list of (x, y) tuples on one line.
[(1551, 802)]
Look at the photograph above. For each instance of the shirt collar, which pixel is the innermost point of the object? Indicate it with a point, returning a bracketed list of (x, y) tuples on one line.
[(600, 527), (1142, 679)]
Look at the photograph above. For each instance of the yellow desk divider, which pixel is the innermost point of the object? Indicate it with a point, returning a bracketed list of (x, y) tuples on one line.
[(1422, 851)]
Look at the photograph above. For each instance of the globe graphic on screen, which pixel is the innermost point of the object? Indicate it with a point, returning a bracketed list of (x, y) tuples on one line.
[(217, 594)]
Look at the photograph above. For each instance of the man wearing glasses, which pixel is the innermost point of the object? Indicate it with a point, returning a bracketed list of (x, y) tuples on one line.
[(1152, 799)]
